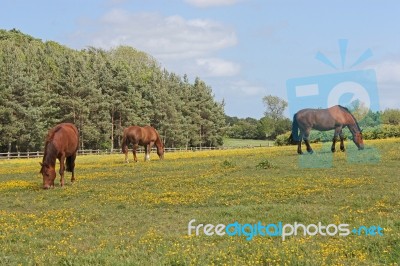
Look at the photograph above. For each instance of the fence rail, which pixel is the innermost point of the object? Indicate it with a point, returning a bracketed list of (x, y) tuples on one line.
[(36, 154)]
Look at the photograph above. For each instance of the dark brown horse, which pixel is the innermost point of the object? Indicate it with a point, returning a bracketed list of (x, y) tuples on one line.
[(335, 117), (145, 136), (62, 144)]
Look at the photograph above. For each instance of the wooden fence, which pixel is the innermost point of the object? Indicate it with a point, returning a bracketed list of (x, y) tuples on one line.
[(36, 154)]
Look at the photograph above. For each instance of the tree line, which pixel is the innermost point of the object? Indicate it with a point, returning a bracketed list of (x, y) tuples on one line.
[(269, 127), (101, 92)]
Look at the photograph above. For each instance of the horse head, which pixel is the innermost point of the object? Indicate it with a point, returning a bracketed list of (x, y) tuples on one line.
[(49, 175), (358, 140), (160, 150)]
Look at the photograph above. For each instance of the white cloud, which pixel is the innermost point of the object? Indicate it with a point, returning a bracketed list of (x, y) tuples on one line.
[(115, 2), (171, 37), (388, 71), (216, 67), (388, 78), (210, 3), (247, 88)]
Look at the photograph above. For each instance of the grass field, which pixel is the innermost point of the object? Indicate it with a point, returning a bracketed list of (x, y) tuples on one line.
[(228, 142), (138, 213)]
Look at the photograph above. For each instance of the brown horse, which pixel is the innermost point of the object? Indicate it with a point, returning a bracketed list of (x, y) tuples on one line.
[(335, 117), (62, 144), (145, 136)]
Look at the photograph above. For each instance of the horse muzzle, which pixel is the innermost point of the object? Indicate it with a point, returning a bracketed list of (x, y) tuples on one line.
[(46, 186)]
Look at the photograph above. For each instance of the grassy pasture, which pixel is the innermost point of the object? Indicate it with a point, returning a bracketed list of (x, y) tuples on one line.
[(236, 143), (138, 213)]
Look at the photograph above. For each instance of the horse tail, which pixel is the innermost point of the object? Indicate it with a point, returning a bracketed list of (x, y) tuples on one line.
[(69, 163), (295, 130), (124, 143)]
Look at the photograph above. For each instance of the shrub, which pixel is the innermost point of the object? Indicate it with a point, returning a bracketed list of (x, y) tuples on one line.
[(283, 139), (228, 164), (265, 164)]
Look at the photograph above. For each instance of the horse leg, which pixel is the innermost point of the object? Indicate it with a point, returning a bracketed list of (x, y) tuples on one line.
[(73, 157), (333, 148), (299, 151), (134, 152), (126, 151), (341, 141), (150, 146), (307, 142), (147, 152), (335, 135), (62, 169), (309, 149)]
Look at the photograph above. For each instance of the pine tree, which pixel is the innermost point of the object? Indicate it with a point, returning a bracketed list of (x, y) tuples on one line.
[(101, 92)]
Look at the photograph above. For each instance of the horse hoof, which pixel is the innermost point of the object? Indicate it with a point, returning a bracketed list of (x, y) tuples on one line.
[(311, 152)]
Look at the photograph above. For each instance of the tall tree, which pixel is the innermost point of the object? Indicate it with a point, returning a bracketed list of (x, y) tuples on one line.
[(275, 107), (102, 92), (274, 121)]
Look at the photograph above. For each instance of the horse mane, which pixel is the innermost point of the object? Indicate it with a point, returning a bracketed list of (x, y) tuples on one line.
[(51, 133), (159, 139), (50, 150), (348, 111)]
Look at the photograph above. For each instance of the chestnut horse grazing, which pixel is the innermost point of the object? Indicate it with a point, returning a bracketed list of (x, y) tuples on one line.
[(335, 117), (145, 136), (61, 143)]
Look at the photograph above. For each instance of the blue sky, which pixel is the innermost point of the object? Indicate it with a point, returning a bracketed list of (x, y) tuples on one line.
[(243, 49)]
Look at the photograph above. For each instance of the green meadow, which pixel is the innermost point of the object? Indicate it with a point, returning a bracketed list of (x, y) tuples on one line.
[(138, 213), (239, 143)]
